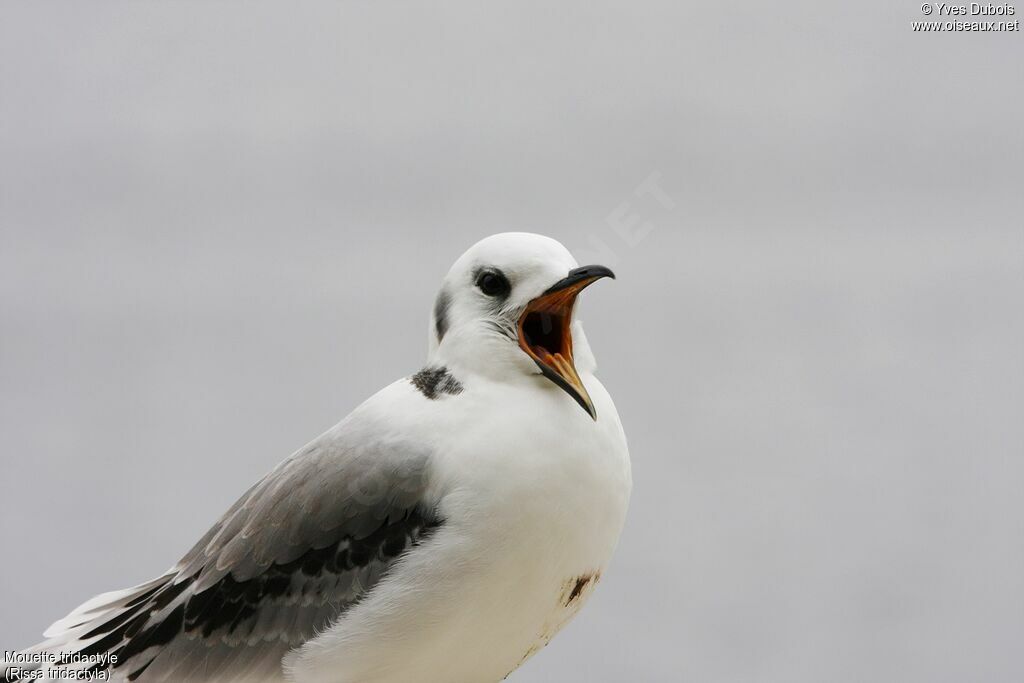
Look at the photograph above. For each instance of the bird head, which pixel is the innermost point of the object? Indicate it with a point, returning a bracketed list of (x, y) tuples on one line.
[(505, 310)]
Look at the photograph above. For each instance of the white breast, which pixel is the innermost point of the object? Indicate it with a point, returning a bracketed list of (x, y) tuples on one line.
[(533, 505)]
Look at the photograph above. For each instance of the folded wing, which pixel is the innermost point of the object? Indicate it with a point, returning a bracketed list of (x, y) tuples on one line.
[(286, 560)]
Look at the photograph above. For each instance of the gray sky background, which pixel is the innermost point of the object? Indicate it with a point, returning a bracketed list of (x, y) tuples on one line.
[(222, 225)]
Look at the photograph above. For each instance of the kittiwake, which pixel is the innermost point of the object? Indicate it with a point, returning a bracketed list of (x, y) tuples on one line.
[(443, 532)]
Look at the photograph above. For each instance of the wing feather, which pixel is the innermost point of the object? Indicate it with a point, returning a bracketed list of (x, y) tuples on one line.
[(286, 560)]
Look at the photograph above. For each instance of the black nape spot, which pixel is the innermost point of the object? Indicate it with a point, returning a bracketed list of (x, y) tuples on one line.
[(441, 314), (432, 382)]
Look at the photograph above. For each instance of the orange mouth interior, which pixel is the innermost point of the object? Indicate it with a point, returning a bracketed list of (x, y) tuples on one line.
[(545, 335)]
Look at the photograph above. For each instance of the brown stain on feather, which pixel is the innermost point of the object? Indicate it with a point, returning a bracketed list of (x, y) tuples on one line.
[(581, 583), (575, 587), (569, 602)]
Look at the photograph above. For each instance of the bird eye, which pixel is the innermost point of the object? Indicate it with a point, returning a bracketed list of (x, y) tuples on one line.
[(493, 284)]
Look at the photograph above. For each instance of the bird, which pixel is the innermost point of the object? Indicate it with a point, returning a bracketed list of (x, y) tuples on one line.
[(443, 532)]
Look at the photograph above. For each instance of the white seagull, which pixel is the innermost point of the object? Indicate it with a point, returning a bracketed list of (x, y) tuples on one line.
[(443, 532)]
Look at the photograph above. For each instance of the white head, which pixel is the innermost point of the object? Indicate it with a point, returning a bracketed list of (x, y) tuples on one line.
[(505, 311)]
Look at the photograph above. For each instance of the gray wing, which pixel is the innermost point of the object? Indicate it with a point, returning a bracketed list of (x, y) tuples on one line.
[(289, 557)]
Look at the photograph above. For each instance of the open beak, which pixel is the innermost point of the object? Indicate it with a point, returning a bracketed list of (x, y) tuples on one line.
[(545, 331)]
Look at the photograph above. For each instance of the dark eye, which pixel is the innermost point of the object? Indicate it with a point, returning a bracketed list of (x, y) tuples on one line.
[(493, 284)]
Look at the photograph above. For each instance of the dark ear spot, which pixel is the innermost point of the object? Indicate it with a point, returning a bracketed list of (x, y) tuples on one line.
[(441, 314)]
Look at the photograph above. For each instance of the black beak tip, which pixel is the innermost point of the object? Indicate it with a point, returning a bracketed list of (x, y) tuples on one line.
[(592, 271), (577, 275)]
